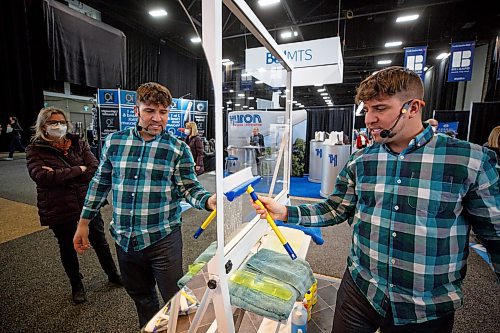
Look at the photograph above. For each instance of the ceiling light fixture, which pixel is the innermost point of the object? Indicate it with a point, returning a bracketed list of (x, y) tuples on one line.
[(226, 60), (228, 63), (318, 84), (321, 90), (265, 3), (393, 44), (384, 62), (407, 18), (229, 109), (259, 82), (251, 108), (289, 34), (231, 90), (241, 95), (229, 102), (251, 97), (196, 40), (443, 55), (237, 104), (324, 94), (158, 12)]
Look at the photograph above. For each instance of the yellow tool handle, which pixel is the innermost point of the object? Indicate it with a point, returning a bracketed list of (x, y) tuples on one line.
[(209, 219)]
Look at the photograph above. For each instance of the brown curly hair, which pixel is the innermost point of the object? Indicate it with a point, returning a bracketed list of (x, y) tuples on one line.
[(391, 81), (154, 93)]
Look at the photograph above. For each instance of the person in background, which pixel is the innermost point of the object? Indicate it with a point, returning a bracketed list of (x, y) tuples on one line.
[(433, 123), (257, 139), (62, 166), (494, 142), (14, 130), (362, 140), (195, 144), (411, 198), (149, 171)]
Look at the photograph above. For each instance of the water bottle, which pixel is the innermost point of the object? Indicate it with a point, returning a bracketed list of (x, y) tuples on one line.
[(299, 319)]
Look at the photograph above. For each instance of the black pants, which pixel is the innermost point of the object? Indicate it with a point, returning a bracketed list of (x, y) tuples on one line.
[(160, 263), (66, 231), (354, 314), (15, 142)]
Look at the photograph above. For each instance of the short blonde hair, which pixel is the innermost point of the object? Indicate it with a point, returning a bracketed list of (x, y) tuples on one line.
[(41, 120), (494, 138), (193, 127)]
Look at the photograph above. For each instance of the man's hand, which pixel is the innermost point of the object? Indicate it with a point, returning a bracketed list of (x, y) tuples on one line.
[(81, 240), (276, 210), (48, 168), (83, 168), (211, 202), (197, 168)]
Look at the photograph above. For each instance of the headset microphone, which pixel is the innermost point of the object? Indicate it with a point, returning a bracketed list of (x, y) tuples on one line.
[(387, 133)]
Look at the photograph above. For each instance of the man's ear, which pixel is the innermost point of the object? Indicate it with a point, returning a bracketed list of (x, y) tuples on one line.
[(413, 109), (136, 110)]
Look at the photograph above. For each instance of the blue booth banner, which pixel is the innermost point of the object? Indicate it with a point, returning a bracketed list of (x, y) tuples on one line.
[(461, 59), (444, 127), (127, 97), (128, 118), (107, 97), (415, 58)]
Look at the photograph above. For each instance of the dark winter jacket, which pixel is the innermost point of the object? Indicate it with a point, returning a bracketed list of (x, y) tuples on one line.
[(61, 192), (195, 143)]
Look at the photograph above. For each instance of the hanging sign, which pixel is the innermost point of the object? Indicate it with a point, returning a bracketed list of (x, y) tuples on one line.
[(460, 67), (415, 58)]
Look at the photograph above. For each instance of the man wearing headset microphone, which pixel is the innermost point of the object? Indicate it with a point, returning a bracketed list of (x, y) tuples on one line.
[(149, 172), (412, 198)]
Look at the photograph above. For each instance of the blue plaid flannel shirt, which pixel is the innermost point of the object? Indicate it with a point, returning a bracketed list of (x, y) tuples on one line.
[(148, 180), (411, 214)]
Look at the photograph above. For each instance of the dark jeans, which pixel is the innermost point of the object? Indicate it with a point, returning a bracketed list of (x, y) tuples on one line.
[(15, 142), (160, 263), (354, 314), (66, 231)]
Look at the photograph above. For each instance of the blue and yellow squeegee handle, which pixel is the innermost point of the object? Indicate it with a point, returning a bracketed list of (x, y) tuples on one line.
[(270, 221), (205, 224)]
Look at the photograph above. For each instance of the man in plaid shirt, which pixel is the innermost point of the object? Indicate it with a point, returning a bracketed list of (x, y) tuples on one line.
[(411, 197), (149, 172)]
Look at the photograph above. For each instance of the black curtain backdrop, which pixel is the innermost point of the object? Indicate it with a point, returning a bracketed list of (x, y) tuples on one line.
[(484, 117), (438, 93), (493, 72), (84, 51), (336, 118), (450, 116), (23, 58)]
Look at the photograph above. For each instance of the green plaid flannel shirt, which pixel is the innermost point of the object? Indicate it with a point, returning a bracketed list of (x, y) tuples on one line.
[(148, 180), (411, 214)]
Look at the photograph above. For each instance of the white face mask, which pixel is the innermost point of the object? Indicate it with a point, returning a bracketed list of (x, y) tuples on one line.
[(187, 131), (57, 131)]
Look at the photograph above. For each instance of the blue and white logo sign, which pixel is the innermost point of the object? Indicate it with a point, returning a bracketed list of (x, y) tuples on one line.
[(460, 67), (415, 58), (248, 119), (127, 118), (107, 97), (127, 97), (444, 127)]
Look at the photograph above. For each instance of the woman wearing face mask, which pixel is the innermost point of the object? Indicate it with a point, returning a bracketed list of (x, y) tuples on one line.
[(62, 166), (195, 143)]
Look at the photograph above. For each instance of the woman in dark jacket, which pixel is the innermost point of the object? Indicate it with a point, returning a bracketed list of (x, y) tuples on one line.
[(195, 143), (62, 166)]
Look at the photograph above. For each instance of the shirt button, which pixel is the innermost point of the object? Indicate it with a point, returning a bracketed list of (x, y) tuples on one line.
[(135, 177), (394, 234), (396, 207), (393, 261), (391, 285), (401, 157), (398, 181), (138, 160), (131, 212), (133, 194)]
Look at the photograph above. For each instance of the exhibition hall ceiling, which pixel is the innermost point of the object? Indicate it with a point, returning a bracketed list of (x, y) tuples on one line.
[(364, 27)]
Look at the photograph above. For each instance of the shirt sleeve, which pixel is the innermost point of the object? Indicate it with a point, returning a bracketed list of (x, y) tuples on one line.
[(336, 209), (186, 181), (482, 203), (100, 185)]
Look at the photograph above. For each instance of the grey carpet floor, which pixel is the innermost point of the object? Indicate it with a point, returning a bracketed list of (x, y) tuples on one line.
[(35, 293)]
